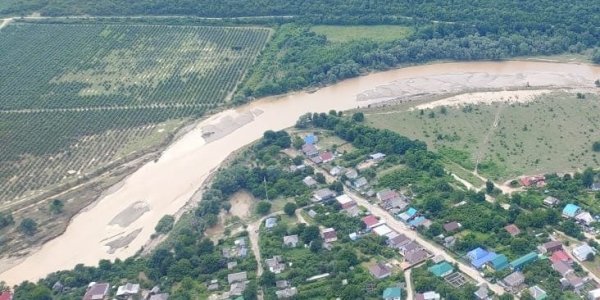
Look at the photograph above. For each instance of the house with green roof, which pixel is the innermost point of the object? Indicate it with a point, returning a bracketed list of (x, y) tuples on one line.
[(499, 263), (442, 269), (522, 261), (392, 293)]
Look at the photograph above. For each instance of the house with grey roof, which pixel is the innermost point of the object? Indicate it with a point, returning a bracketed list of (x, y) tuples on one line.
[(323, 194), (380, 270), (290, 240), (286, 293), (514, 280), (237, 277), (275, 264)]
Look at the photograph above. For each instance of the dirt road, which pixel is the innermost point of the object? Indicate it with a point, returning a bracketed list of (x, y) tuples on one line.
[(5, 23), (409, 288)]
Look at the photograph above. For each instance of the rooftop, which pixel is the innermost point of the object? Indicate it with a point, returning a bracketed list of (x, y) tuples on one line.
[(523, 260), (512, 229), (452, 226), (571, 210), (514, 279), (392, 292), (442, 269)]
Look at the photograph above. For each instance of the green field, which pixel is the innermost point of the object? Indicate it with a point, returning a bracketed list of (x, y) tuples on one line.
[(552, 134), (379, 33), (75, 97)]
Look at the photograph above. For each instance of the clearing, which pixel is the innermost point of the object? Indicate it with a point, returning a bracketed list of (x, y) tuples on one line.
[(520, 132), (378, 33)]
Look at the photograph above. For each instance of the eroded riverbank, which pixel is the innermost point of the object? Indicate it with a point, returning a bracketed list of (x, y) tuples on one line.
[(165, 185)]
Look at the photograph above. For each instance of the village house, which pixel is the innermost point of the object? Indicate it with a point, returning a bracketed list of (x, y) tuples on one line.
[(336, 171), (231, 265), (408, 215), (594, 294), (392, 293), (163, 296), (537, 293), (310, 150), (442, 269), (398, 241), (550, 247), (371, 221), (213, 285), (410, 247), (571, 210), (351, 174), (561, 255), (512, 229), (316, 159), (237, 277), (237, 288), (345, 201), (562, 268), (498, 263), (353, 211), (452, 226), (377, 156), (382, 230), (326, 157), (290, 241), (311, 139), (431, 295), (311, 213), (360, 183), (582, 251), (387, 194), (286, 293), (585, 218), (482, 292), (572, 281), (551, 201), (528, 181), (6, 295), (275, 264), (329, 235), (480, 257), (298, 168), (379, 270), (449, 241), (323, 194), (514, 280), (97, 291), (309, 181), (270, 222), (524, 260), (416, 257), (595, 187), (128, 290)]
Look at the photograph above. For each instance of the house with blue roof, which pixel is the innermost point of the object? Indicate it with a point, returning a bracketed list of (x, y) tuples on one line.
[(408, 215), (571, 210), (392, 293), (416, 222), (524, 260), (270, 223), (479, 257), (499, 263), (311, 139)]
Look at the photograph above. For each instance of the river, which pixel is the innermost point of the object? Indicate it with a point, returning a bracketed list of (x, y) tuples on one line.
[(129, 213)]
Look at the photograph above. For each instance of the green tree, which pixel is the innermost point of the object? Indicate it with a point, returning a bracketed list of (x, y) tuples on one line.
[(319, 177), (226, 206), (587, 178), (268, 279), (310, 233), (358, 117), (297, 143), (28, 226), (165, 224), (6, 219), (56, 206), (489, 187), (290, 208), (263, 207), (316, 245)]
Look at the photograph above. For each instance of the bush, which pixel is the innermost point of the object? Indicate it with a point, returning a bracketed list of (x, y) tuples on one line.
[(290, 208), (263, 207), (56, 206), (358, 117), (596, 146), (28, 226), (165, 224)]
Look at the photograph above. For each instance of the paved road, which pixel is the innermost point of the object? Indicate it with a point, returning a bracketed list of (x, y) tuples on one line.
[(434, 249)]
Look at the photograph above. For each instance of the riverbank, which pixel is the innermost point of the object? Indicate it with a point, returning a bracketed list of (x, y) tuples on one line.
[(166, 185)]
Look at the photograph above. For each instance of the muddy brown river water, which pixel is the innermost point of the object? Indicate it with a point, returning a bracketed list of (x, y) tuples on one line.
[(164, 187)]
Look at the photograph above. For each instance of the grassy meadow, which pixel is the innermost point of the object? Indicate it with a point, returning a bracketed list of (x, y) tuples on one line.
[(554, 133)]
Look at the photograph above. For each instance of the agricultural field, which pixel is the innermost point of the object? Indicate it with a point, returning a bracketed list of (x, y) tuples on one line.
[(553, 133), (378, 33), (74, 98)]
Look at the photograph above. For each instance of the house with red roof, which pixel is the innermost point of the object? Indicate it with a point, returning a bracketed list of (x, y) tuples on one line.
[(560, 256), (6, 295), (371, 221), (326, 156), (329, 235), (512, 229)]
